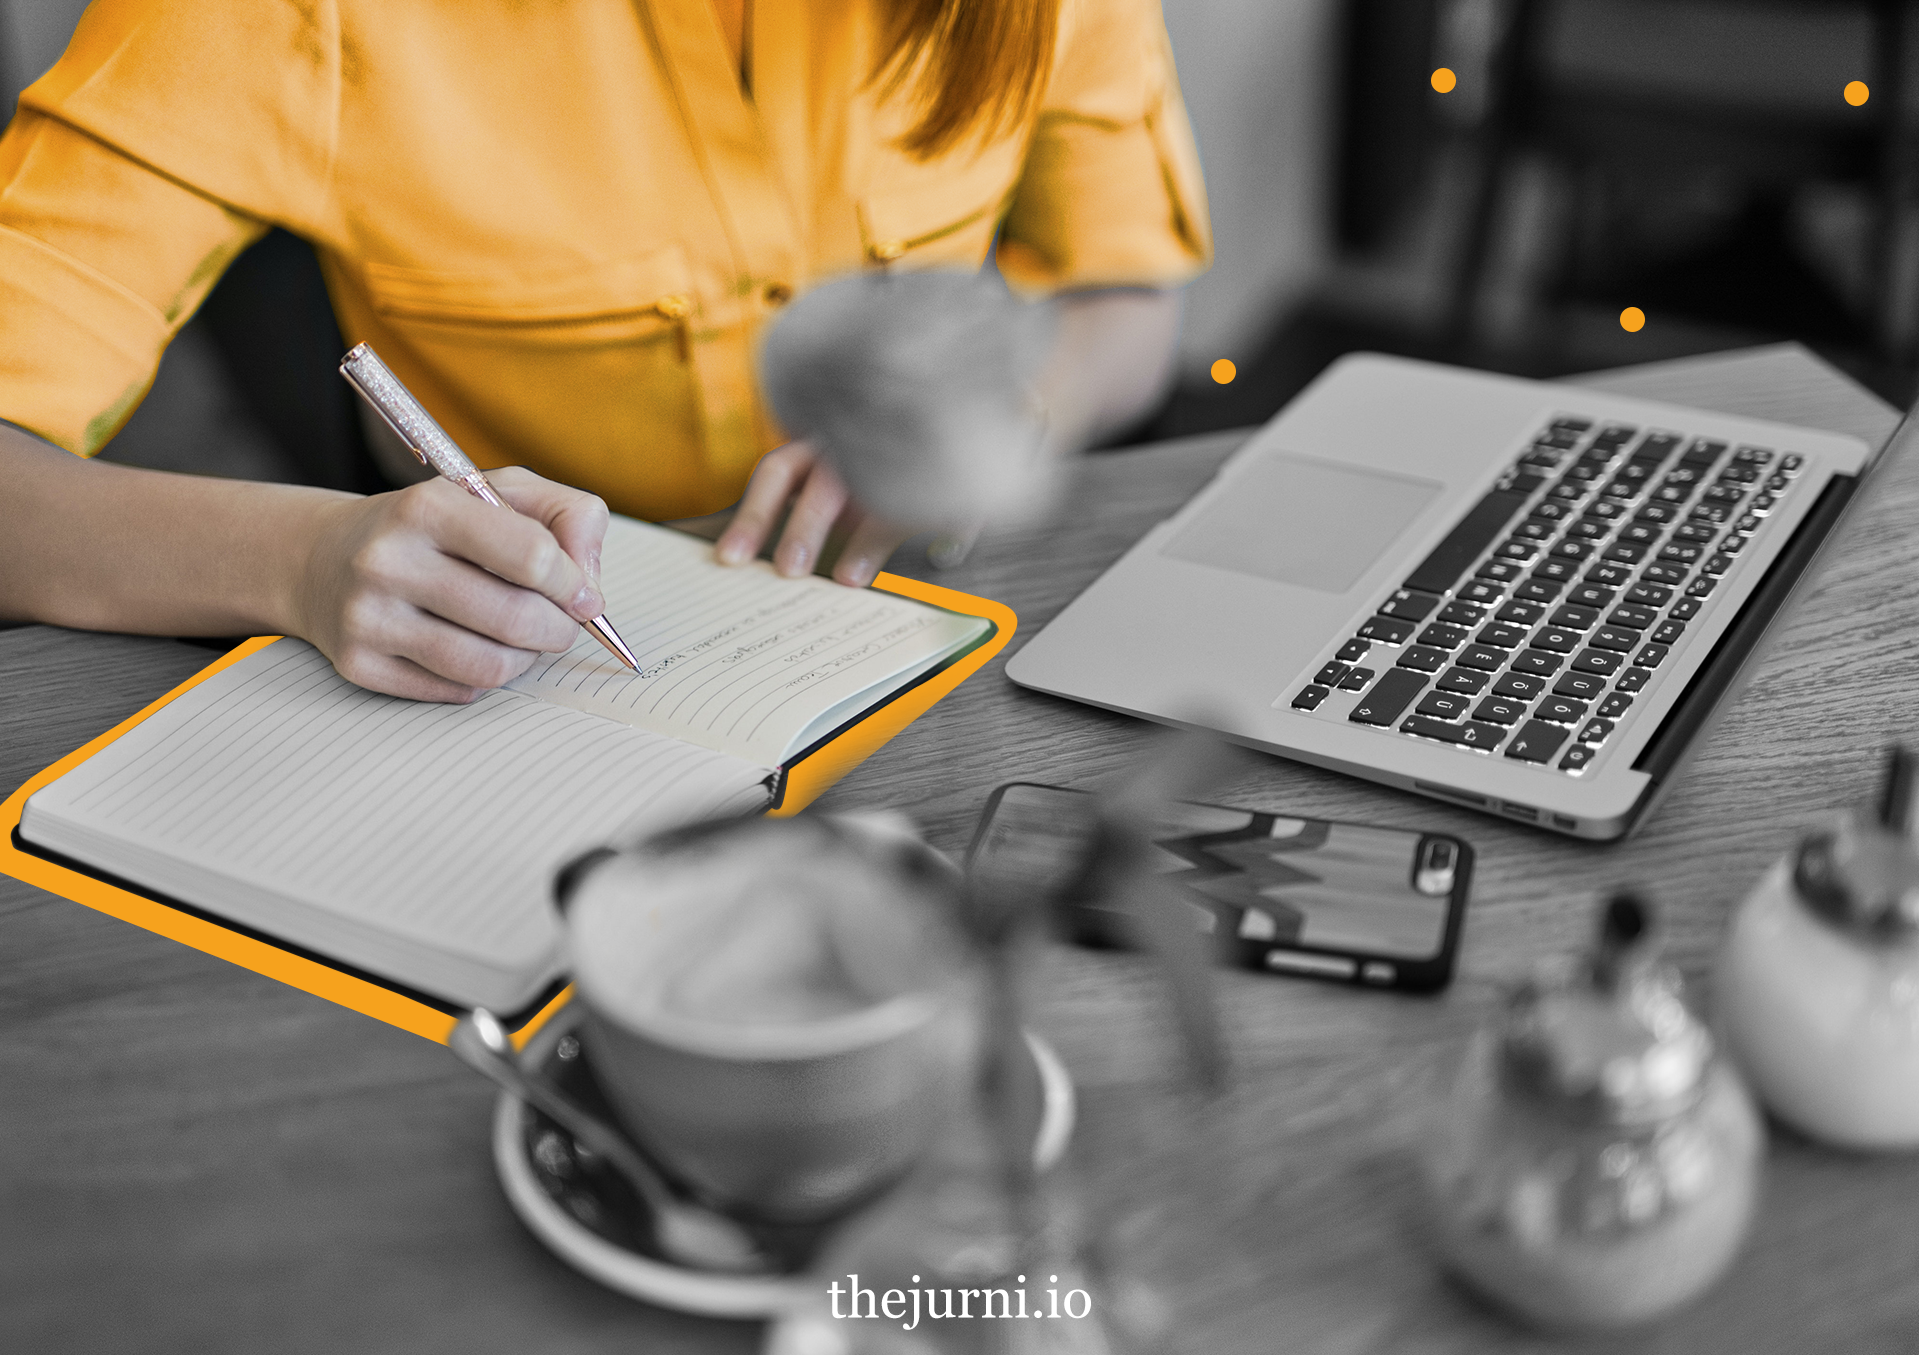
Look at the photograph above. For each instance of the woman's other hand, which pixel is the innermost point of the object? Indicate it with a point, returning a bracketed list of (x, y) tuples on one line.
[(429, 593), (795, 480)]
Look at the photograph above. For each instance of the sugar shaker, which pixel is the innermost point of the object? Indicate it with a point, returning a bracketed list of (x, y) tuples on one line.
[(1817, 990), (1597, 1163)]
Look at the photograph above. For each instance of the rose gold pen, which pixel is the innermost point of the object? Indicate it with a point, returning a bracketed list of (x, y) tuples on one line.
[(395, 403)]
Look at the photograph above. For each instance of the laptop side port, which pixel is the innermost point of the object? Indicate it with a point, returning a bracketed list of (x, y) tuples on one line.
[(1562, 822), (1452, 794), (1526, 812)]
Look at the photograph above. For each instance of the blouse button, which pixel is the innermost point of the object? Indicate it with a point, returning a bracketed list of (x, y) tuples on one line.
[(777, 293), (886, 250)]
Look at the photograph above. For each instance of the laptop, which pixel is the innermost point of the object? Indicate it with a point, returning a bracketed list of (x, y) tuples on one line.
[(1521, 597)]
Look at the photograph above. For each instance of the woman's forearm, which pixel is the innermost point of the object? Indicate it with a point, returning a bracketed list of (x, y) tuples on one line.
[(1112, 361), (97, 546)]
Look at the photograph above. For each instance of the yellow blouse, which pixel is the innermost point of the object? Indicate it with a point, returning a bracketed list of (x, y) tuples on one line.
[(561, 223)]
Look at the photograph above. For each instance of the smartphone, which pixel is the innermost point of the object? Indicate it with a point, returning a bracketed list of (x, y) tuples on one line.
[(1346, 902)]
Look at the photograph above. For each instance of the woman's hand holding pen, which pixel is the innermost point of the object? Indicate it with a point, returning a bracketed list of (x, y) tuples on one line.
[(430, 593)]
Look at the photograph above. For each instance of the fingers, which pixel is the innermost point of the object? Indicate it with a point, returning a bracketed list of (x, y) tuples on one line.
[(514, 547), (867, 550), (576, 519), (391, 646), (778, 476), (818, 507)]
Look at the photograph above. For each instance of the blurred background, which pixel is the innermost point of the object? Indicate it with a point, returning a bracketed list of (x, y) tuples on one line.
[(1489, 182)]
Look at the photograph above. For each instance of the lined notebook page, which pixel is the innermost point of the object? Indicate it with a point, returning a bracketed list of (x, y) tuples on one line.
[(380, 831), (740, 660)]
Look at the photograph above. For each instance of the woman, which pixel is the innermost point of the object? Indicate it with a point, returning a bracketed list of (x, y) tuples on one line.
[(562, 224)]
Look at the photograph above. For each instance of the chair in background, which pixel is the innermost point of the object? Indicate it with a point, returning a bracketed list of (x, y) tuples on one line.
[(1746, 94)]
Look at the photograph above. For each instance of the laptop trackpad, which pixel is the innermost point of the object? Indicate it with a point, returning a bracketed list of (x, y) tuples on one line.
[(1296, 520)]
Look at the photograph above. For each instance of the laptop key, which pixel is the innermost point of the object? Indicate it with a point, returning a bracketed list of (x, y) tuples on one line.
[(1632, 680), (1353, 650), (1501, 636), (1651, 656), (1574, 617), (1445, 705), (1330, 675), (1640, 533), (1596, 730), (1538, 662), (1519, 686), (1579, 686), (1633, 615), (1390, 695), (1467, 541), (1626, 554), (1615, 637), (1442, 636), (1615, 705), (1536, 741), (1701, 586), (1557, 639), (1561, 710), (1423, 658), (1669, 633), (1650, 594), (1475, 735), (1685, 609), (1386, 630), (1310, 697), (1428, 728), (1601, 661), (1482, 590), (1465, 681), (1592, 595), (1356, 680), (1462, 614), (1556, 571), (1699, 533), (1577, 757), (1717, 564), (1515, 548), (1520, 613), (1538, 590), (1482, 657), (1658, 512), (1610, 576), (1501, 710), (1499, 571), (1681, 553), (1409, 605), (1664, 573)]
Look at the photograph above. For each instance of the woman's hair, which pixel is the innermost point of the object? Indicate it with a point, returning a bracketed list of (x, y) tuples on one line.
[(975, 66)]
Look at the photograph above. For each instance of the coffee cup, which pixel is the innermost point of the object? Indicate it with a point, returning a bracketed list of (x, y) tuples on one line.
[(781, 1012)]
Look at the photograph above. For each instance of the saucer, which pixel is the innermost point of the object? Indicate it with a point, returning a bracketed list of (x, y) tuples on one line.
[(589, 1218)]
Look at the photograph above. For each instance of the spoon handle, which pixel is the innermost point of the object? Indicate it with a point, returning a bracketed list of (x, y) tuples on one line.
[(586, 1128)]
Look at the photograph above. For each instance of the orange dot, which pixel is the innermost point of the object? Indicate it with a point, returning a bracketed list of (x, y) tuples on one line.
[(1857, 93), (1444, 80), (1224, 371), (1632, 319)]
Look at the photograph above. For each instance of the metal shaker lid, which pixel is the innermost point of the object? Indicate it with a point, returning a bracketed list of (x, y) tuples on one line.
[(1865, 877), (1615, 1044)]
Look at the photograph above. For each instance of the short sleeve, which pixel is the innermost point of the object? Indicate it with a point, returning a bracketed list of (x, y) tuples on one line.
[(101, 261), (1110, 193), (157, 148)]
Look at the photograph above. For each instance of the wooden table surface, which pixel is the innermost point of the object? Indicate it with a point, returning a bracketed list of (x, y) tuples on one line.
[(199, 1159)]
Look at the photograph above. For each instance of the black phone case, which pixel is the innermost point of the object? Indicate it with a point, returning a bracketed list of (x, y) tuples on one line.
[(1227, 870)]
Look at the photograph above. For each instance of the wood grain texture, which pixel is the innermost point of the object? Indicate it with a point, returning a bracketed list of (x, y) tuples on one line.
[(201, 1159)]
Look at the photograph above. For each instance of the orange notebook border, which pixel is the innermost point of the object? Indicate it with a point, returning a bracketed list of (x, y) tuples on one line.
[(801, 782)]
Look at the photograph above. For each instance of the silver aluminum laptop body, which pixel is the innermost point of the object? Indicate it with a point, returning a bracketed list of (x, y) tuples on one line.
[(1223, 613)]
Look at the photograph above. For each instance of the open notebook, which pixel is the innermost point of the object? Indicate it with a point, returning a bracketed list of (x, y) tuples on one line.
[(418, 842)]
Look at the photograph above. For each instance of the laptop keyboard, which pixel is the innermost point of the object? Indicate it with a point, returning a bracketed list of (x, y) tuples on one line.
[(1530, 631)]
